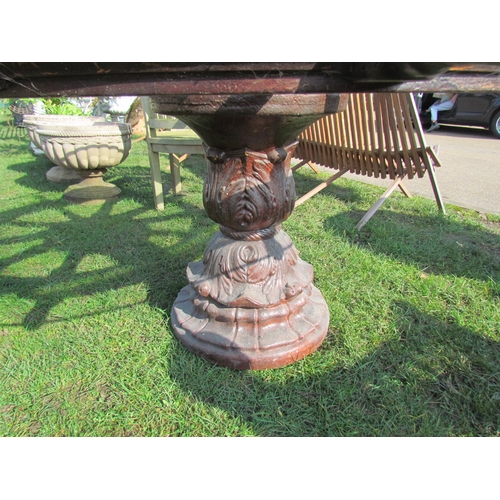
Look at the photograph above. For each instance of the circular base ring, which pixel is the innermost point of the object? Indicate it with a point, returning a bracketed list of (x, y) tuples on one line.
[(209, 338), (89, 193)]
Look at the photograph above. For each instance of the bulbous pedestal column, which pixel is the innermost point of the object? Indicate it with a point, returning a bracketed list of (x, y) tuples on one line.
[(250, 303)]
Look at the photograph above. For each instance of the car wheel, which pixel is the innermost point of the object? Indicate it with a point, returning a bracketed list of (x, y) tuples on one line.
[(495, 125)]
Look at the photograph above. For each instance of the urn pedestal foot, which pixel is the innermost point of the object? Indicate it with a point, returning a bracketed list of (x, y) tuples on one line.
[(62, 175), (92, 189)]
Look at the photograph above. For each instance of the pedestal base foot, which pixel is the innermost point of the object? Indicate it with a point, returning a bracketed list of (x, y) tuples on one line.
[(63, 175), (250, 305), (92, 190), (247, 345)]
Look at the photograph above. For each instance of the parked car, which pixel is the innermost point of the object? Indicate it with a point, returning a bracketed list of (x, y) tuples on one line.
[(477, 110)]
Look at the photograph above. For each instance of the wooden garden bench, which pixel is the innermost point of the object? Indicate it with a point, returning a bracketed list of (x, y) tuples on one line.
[(169, 135), (378, 135)]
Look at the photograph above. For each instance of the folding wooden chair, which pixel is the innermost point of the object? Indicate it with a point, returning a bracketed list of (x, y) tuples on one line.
[(167, 135), (378, 135)]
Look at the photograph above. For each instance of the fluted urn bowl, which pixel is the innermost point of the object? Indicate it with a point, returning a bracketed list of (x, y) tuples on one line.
[(89, 150), (34, 122)]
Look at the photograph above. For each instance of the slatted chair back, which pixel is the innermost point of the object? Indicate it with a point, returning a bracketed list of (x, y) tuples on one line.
[(167, 134), (378, 135)]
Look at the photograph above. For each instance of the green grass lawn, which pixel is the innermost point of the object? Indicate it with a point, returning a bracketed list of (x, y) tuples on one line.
[(86, 346)]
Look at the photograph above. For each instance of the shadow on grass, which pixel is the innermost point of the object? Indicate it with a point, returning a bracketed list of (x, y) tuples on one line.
[(11, 132), (136, 259), (141, 243), (431, 379), (437, 244), (35, 175)]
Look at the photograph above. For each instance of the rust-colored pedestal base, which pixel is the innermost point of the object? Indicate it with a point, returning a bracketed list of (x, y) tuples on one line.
[(250, 303)]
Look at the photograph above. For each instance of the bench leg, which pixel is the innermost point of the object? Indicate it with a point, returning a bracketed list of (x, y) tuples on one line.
[(154, 164), (320, 187), (397, 183), (435, 188), (404, 190), (313, 167), (175, 172), (432, 177), (296, 167), (304, 162)]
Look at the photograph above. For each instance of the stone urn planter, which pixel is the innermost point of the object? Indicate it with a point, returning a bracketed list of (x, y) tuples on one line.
[(34, 122), (88, 150)]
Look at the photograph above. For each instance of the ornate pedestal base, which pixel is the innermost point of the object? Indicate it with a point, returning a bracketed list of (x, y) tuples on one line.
[(92, 189), (250, 303)]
